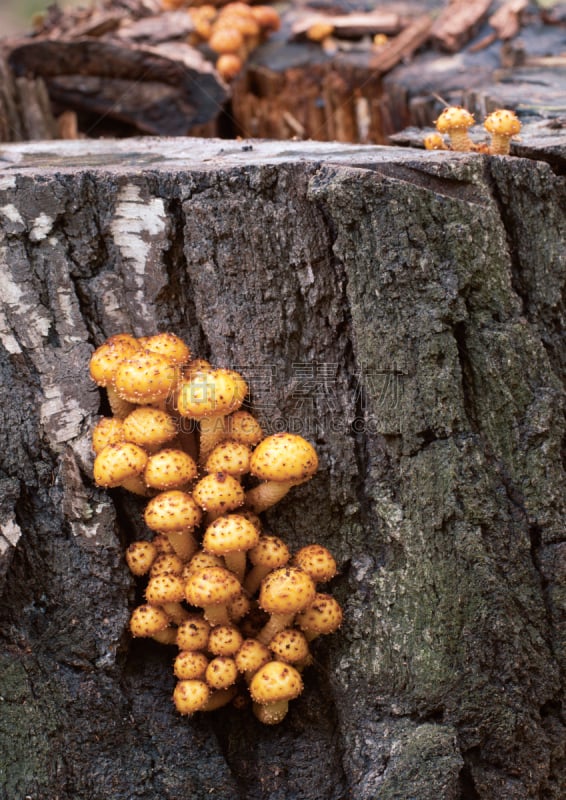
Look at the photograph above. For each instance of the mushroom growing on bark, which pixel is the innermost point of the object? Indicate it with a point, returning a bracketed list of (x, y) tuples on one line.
[(283, 594), (282, 460), (271, 688), (503, 125), (455, 121)]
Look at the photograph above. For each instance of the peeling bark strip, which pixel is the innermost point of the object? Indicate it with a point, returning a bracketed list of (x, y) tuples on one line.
[(401, 309)]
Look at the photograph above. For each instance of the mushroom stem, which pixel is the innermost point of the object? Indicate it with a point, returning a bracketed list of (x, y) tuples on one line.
[(183, 543), (276, 623), (236, 563), (166, 636), (212, 432), (176, 612), (266, 494), (219, 698), (272, 713), (217, 615), (136, 485), (119, 407), (500, 144), (255, 577), (460, 140)]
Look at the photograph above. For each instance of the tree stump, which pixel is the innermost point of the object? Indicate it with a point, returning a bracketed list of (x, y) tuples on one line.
[(399, 308)]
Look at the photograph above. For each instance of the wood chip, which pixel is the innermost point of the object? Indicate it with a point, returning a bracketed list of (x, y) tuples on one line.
[(458, 23), (402, 46), (507, 18), (350, 26)]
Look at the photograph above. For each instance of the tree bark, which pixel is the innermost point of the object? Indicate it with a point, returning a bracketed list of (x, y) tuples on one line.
[(399, 308)]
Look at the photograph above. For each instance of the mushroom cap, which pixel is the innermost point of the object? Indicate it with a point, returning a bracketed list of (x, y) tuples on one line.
[(221, 672), (170, 511), (107, 358), (170, 346), (228, 534), (190, 696), (165, 588), (149, 427), (239, 607), (218, 493), (226, 40), (231, 457), (108, 430), (200, 560), (190, 665), (229, 65), (323, 615), (502, 122), (117, 463), (146, 377), (167, 562), (140, 556), (270, 551), (289, 645), (147, 620), (211, 586), (209, 393), (267, 17), (317, 561), (276, 681), (252, 655), (286, 591), (241, 426), (193, 633), (225, 640), (169, 469), (454, 118), (284, 457)]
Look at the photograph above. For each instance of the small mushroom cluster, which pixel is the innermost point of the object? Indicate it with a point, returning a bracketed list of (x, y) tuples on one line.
[(502, 125), (239, 606), (231, 32)]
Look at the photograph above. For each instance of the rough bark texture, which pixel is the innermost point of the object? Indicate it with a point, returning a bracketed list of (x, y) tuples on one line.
[(401, 309)]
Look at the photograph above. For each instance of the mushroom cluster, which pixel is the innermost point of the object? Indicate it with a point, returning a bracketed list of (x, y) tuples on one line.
[(230, 32), (502, 125), (239, 606)]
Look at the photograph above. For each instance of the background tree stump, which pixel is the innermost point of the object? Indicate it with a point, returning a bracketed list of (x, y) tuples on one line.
[(401, 309)]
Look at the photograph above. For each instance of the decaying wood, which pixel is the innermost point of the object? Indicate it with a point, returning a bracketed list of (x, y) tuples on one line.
[(403, 310), (402, 46), (353, 25), (164, 89), (458, 23)]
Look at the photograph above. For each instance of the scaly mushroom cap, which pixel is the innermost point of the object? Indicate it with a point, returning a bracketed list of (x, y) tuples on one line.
[(221, 672), (286, 591), (225, 640), (218, 493), (270, 551), (251, 656), (190, 665), (214, 392), (230, 457), (167, 562), (108, 430), (190, 696), (117, 463), (149, 427), (107, 358), (147, 620), (503, 123), (243, 427), (165, 588), (140, 556), (284, 457), (239, 607), (172, 511), (169, 469), (274, 682), (170, 346), (289, 645), (211, 586), (323, 615), (317, 561), (147, 377), (454, 118), (193, 633), (201, 560), (228, 534)]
